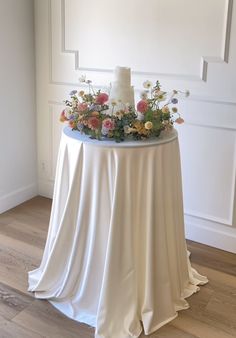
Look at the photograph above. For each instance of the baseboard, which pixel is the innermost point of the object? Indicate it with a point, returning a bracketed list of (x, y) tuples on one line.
[(17, 197), (210, 233)]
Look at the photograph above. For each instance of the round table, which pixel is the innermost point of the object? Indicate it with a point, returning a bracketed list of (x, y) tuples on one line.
[(115, 256)]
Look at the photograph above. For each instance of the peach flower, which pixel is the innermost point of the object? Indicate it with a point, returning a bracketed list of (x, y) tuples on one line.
[(179, 120), (94, 122), (82, 106)]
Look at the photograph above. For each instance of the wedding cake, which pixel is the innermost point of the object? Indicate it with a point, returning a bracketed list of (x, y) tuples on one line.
[(121, 92)]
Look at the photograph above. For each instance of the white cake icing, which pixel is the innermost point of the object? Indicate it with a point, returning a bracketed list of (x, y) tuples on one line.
[(121, 90)]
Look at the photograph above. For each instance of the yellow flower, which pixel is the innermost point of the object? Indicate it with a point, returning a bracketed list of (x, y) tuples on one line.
[(113, 102), (148, 125), (119, 114), (130, 130), (143, 131), (165, 109), (81, 93), (138, 125)]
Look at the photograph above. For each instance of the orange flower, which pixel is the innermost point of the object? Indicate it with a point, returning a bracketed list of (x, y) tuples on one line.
[(63, 117), (72, 124), (95, 113)]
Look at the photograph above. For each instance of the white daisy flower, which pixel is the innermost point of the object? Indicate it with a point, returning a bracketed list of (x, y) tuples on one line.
[(147, 84), (165, 109), (68, 112), (82, 78), (159, 95), (74, 103), (144, 95)]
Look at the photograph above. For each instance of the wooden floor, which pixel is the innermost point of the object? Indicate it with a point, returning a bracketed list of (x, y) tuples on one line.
[(23, 232)]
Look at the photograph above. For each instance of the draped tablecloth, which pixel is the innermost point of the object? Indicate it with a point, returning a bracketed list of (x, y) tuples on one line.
[(115, 256)]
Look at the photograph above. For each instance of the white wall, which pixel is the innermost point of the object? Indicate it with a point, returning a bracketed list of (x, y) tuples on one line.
[(18, 171), (185, 44)]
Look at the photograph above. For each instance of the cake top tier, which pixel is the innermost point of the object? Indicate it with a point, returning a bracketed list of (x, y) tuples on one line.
[(123, 75)]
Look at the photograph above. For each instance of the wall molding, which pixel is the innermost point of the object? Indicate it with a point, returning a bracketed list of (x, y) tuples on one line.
[(230, 220), (207, 229), (224, 58), (209, 126), (51, 124), (199, 215), (17, 197), (204, 60), (206, 99)]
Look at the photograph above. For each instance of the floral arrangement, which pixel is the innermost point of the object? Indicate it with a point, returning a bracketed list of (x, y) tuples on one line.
[(91, 113)]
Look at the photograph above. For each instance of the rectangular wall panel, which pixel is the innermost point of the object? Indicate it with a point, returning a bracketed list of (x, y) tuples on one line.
[(208, 169), (186, 45)]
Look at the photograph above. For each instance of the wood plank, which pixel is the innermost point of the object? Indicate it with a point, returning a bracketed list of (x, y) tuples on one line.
[(198, 328), (211, 257), (16, 259), (225, 319), (12, 301), (13, 330), (24, 233), (35, 212), (218, 281), (219, 300), (170, 331), (44, 319)]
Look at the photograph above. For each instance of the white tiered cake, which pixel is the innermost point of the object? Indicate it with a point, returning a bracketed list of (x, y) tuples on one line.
[(121, 90)]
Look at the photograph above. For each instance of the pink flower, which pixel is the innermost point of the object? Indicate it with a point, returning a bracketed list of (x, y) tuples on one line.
[(94, 122), (102, 98), (82, 106), (142, 106), (63, 117), (108, 124), (179, 120)]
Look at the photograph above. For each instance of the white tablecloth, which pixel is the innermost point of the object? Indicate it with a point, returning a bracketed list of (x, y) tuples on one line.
[(116, 255)]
